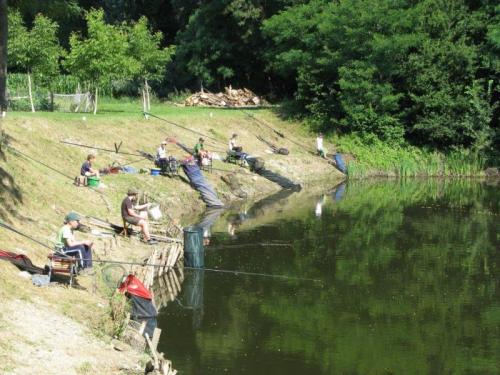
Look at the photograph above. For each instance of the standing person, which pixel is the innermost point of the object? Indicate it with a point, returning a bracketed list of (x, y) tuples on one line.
[(131, 216), (67, 244), (86, 169), (233, 144), (319, 146)]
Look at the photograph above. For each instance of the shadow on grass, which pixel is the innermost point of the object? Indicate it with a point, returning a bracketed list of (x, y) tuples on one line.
[(10, 193)]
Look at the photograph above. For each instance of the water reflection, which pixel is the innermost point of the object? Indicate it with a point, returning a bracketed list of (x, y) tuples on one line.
[(208, 219), (411, 286), (192, 296)]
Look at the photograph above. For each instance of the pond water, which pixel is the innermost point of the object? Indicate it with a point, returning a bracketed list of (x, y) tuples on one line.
[(409, 283)]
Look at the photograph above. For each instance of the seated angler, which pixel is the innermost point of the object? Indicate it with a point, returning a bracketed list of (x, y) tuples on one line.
[(233, 144), (200, 153), (161, 160), (235, 149), (136, 214), (87, 170), (68, 245)]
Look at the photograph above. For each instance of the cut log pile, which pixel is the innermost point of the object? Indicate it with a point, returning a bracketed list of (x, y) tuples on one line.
[(229, 98)]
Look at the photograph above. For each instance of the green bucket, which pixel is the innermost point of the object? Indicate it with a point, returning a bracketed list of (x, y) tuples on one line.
[(93, 181)]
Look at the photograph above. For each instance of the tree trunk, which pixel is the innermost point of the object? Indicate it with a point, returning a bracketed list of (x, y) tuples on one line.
[(148, 102), (143, 96), (3, 57), (30, 93), (95, 100), (51, 94)]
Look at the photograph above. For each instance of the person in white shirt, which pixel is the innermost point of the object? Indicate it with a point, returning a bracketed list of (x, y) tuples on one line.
[(161, 155), (233, 145), (319, 146)]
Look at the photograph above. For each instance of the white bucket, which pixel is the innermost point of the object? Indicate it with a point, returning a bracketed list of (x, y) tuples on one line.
[(155, 213)]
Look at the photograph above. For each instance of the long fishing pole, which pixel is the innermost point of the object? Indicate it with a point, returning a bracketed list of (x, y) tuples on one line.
[(251, 115), (183, 127), (8, 227), (235, 272), (39, 162), (99, 148), (263, 123)]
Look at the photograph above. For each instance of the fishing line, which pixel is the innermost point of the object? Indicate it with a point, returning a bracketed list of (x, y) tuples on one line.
[(39, 162), (99, 148), (182, 127), (251, 115), (3, 225), (143, 264)]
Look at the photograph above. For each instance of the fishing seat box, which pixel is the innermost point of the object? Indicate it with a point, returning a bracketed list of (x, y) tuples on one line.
[(62, 264)]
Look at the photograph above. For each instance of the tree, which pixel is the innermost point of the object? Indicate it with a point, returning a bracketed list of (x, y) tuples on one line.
[(222, 42), (36, 51), (400, 69), (102, 56), (145, 47), (3, 56)]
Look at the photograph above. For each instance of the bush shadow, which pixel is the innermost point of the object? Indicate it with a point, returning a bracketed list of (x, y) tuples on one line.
[(10, 193)]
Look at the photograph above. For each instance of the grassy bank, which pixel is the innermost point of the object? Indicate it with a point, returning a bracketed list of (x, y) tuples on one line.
[(34, 199), (376, 158)]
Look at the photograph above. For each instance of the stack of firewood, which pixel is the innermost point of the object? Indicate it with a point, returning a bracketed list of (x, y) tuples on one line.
[(228, 98)]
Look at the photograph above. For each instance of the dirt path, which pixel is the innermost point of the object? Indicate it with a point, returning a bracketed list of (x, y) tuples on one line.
[(34, 339)]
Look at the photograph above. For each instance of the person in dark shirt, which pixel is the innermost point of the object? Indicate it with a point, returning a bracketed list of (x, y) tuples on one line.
[(86, 169), (131, 216)]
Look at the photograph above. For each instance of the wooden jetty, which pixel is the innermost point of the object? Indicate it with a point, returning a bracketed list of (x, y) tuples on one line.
[(162, 273)]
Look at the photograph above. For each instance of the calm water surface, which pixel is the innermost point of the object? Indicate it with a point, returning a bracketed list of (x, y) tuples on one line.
[(410, 284)]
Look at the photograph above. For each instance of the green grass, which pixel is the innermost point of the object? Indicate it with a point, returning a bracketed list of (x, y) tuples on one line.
[(381, 159)]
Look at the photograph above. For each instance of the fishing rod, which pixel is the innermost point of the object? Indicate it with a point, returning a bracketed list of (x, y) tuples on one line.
[(39, 162), (143, 264), (183, 127), (262, 123), (115, 151), (8, 227), (252, 116)]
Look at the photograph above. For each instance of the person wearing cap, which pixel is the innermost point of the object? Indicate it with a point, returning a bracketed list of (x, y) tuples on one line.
[(132, 214), (66, 242), (86, 169), (319, 146)]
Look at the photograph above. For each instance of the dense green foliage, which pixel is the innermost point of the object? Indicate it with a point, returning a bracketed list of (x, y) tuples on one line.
[(378, 158), (420, 72)]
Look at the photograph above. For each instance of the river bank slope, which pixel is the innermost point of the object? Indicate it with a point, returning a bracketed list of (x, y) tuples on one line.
[(37, 172)]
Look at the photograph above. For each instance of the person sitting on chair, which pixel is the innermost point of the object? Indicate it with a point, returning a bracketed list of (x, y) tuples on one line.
[(233, 144), (200, 153), (131, 215), (68, 245), (161, 156), (319, 146), (86, 169)]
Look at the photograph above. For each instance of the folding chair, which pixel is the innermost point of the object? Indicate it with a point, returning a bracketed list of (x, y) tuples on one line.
[(207, 166), (234, 158)]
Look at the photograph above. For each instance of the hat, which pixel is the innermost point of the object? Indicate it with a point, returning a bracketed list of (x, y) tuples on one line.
[(72, 216), (235, 135), (201, 139), (132, 191), (163, 142)]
